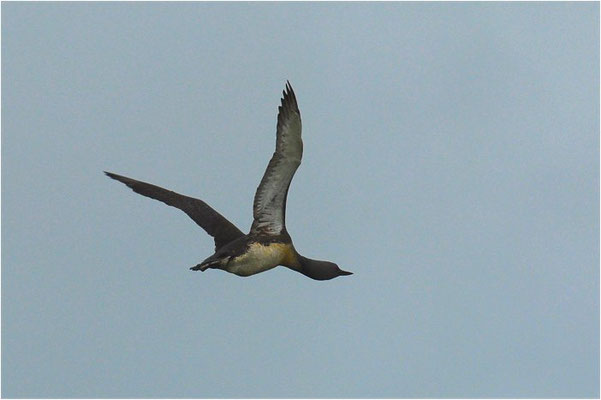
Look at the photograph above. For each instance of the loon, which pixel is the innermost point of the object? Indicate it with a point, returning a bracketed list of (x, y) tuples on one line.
[(268, 243)]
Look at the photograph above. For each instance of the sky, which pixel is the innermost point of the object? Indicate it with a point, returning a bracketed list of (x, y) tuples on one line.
[(451, 161)]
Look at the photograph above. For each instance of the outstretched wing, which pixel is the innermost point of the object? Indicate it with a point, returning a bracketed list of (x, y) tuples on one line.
[(215, 224), (269, 208)]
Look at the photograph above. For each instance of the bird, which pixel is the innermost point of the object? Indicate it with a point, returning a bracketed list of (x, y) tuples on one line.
[(268, 243)]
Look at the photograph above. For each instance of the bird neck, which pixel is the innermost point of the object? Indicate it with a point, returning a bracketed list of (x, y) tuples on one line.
[(313, 268)]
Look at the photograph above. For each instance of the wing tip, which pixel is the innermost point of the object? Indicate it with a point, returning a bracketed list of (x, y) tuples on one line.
[(123, 179), (289, 97), (111, 175)]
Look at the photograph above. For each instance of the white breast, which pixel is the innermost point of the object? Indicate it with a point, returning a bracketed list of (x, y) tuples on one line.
[(257, 259)]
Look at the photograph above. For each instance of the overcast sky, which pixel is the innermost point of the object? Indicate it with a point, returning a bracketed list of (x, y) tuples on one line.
[(451, 162)]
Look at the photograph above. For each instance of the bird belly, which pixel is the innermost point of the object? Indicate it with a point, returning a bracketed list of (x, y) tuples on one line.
[(258, 258)]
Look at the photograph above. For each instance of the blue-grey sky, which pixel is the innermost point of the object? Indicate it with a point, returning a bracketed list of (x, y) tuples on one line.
[(451, 161)]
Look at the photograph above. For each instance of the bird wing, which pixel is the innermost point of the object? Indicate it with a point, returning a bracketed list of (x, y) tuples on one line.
[(215, 224), (269, 208)]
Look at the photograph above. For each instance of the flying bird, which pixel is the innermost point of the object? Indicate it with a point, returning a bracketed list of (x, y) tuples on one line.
[(268, 243)]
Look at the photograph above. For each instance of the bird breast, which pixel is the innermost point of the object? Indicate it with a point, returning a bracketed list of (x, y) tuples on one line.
[(261, 257)]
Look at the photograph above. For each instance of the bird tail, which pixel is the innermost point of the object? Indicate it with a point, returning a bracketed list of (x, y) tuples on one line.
[(208, 263)]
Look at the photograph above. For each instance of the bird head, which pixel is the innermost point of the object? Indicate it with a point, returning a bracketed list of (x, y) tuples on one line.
[(321, 270)]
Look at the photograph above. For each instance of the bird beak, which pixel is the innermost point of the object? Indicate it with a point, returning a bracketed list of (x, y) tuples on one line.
[(345, 273)]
